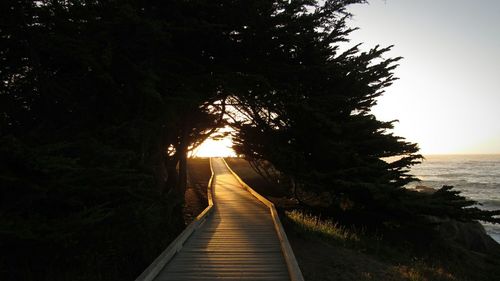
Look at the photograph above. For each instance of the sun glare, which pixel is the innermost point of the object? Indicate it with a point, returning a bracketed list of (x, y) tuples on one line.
[(215, 148)]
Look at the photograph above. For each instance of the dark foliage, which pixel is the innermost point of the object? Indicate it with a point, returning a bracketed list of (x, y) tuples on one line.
[(308, 114), (92, 95)]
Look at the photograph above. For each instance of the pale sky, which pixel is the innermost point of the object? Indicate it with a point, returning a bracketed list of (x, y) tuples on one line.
[(448, 97), (211, 148)]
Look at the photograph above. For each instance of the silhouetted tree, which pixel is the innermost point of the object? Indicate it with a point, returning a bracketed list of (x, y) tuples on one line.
[(308, 113), (93, 95)]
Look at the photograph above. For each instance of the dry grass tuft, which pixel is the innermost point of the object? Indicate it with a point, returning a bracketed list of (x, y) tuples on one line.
[(326, 228), (422, 272)]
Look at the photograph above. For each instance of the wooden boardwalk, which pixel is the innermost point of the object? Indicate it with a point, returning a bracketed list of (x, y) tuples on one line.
[(237, 241)]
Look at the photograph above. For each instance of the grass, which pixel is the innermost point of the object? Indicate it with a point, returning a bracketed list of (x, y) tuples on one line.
[(353, 254), (420, 271), (323, 228)]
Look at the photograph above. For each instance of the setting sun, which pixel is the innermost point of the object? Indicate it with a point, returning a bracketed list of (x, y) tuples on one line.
[(215, 148)]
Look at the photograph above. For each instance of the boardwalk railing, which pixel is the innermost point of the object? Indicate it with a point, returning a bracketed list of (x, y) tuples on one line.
[(166, 256), (175, 246), (291, 261)]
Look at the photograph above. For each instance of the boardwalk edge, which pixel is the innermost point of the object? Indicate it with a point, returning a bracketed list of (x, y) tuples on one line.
[(291, 261), (175, 246)]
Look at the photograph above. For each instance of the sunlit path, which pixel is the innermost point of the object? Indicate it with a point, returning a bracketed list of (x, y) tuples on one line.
[(237, 242), (216, 147)]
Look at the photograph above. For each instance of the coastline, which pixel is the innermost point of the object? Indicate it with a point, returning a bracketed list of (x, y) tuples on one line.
[(476, 175)]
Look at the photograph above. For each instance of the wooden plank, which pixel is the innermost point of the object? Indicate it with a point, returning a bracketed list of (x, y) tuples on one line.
[(229, 278), (238, 241), (291, 261)]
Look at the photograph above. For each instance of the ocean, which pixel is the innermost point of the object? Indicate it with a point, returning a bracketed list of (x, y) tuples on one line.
[(477, 176)]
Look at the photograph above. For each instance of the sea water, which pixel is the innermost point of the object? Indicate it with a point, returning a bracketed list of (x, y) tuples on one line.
[(476, 176)]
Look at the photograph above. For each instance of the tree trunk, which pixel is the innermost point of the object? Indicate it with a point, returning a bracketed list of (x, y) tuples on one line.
[(161, 173), (182, 153), (172, 178)]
